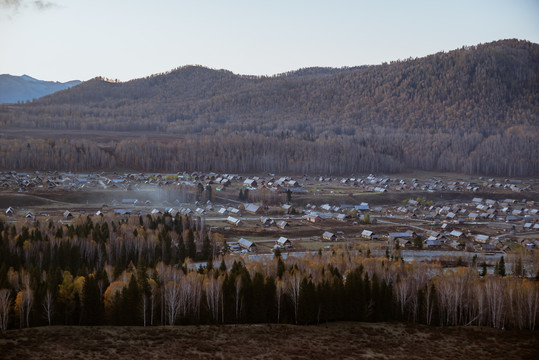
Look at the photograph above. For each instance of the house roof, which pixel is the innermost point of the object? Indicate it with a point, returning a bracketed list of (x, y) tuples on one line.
[(282, 240), (252, 208), (480, 237), (246, 244), (233, 220), (400, 235), (282, 224)]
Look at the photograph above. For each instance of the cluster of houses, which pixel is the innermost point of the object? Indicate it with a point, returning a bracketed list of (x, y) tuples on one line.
[(454, 239), (27, 181), (384, 183), (244, 245), (522, 215), (316, 214)]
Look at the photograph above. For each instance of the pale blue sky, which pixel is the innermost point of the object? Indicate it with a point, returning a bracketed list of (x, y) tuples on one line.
[(124, 39)]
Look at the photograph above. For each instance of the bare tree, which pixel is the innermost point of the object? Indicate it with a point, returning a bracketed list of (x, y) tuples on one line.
[(213, 288), (172, 296), (154, 293), (494, 292), (280, 289), (5, 302), (293, 290), (532, 303), (402, 292), (48, 304)]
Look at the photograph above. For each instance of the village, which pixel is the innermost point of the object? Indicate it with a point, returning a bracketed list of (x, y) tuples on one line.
[(424, 217)]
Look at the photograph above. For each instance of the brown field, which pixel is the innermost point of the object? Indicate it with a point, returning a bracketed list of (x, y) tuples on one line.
[(333, 341)]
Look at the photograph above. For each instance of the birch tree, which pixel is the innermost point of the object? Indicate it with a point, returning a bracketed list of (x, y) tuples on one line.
[(48, 303)]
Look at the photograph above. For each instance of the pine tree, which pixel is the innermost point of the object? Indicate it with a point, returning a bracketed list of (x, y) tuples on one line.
[(191, 246), (206, 249), (483, 269), (501, 267), (92, 306)]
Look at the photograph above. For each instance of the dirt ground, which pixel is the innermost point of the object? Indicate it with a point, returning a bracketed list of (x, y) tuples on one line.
[(270, 341)]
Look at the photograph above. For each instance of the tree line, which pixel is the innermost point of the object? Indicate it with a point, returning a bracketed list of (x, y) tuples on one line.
[(374, 150), (135, 272)]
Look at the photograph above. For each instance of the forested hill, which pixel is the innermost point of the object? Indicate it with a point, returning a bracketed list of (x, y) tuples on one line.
[(471, 110), (492, 85)]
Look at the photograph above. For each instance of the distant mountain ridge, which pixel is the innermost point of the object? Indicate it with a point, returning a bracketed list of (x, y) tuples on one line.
[(22, 88)]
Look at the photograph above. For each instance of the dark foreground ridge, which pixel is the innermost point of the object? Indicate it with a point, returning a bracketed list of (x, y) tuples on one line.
[(272, 341)]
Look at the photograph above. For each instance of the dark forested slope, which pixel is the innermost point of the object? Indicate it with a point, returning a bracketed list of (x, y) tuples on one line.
[(469, 110)]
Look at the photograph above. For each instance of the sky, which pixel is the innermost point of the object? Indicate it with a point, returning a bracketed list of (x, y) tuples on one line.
[(62, 40)]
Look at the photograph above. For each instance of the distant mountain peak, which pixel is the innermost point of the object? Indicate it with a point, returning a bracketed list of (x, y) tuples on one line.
[(24, 88)]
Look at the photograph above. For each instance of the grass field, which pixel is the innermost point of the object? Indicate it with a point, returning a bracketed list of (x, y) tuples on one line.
[(333, 341)]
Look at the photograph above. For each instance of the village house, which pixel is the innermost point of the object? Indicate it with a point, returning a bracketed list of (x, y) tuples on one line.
[(367, 234), (456, 245), (488, 247), (403, 235), (404, 243), (314, 218), (253, 209), (473, 216), (329, 236), (456, 234), (481, 238), (325, 207), (284, 242), (233, 221), (250, 183), (433, 243), (247, 245), (266, 220), (10, 211), (283, 224), (288, 209), (173, 212)]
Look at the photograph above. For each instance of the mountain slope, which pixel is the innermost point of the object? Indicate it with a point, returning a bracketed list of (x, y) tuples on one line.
[(494, 85), (23, 88), (471, 110)]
